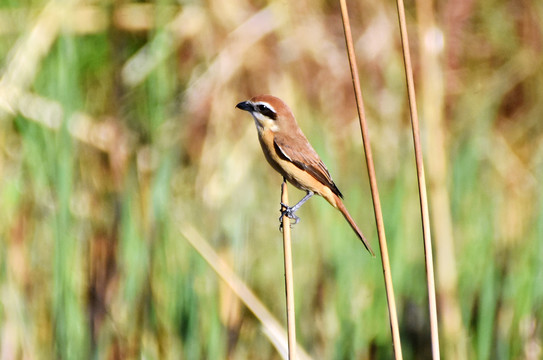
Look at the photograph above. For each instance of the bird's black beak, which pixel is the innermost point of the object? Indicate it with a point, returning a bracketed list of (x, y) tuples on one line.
[(245, 105)]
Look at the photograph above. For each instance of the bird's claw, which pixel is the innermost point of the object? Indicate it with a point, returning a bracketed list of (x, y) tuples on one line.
[(288, 212)]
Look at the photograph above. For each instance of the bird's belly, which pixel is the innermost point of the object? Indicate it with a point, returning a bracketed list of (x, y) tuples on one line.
[(296, 176)]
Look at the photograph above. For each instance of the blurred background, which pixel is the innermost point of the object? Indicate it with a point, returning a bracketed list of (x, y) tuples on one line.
[(119, 141)]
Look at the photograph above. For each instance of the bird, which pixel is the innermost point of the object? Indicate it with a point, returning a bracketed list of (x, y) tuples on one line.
[(288, 151)]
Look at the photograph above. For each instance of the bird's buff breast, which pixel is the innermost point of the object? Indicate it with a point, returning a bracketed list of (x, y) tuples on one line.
[(296, 176)]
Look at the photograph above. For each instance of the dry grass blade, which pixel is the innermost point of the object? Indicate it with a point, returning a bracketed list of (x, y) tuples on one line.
[(23, 64), (421, 181), (139, 66), (272, 328), (231, 58), (105, 136), (25, 58), (393, 317)]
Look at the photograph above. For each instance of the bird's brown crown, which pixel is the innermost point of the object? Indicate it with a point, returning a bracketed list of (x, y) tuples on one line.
[(274, 104)]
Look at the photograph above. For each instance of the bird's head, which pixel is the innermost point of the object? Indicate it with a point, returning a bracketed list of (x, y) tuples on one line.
[(269, 112)]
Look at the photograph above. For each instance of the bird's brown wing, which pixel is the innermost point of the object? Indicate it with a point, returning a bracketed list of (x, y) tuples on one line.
[(300, 153)]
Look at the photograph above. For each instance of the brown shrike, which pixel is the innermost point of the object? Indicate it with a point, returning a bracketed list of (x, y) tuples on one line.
[(288, 151)]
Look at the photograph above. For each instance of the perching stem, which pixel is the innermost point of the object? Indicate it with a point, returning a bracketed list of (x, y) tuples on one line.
[(289, 280)]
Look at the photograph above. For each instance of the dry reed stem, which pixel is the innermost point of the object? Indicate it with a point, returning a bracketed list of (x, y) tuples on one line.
[(289, 279), (421, 182), (272, 328), (454, 344), (393, 317)]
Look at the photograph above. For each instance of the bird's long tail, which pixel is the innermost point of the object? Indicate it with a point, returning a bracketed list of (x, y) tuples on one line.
[(351, 222)]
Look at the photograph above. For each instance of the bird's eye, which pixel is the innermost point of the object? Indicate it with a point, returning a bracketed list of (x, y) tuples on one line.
[(266, 111)]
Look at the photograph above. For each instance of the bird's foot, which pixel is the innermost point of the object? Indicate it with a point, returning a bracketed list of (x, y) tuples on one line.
[(288, 212)]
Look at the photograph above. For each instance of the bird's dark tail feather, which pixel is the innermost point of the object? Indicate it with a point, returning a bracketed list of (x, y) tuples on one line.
[(351, 222)]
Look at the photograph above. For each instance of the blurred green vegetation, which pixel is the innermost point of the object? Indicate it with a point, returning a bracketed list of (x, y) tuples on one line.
[(118, 127)]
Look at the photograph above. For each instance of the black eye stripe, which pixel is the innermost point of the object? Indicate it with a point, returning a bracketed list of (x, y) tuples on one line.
[(266, 111)]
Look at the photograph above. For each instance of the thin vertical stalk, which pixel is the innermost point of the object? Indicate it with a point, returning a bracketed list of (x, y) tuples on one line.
[(432, 93), (393, 317), (289, 279), (421, 181)]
